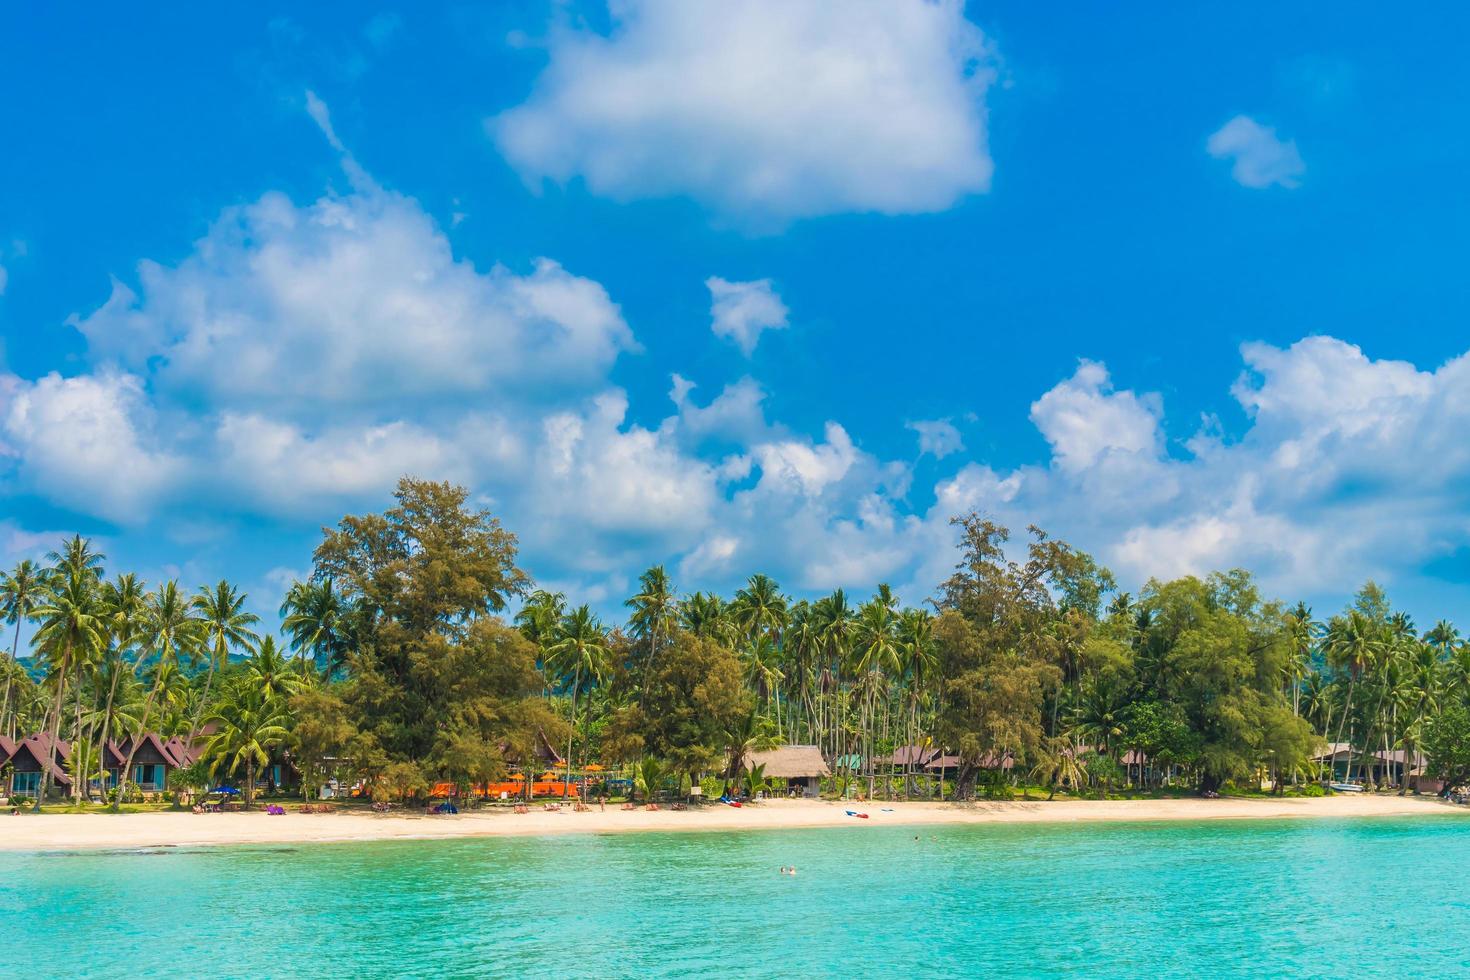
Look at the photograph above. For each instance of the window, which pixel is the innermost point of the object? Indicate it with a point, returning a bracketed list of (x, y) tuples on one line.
[(25, 784)]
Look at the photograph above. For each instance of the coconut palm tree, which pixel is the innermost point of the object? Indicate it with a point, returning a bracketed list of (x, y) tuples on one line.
[(315, 617), (1354, 643), (655, 612), (706, 616), (270, 671), (247, 726), (225, 624), (20, 593), (876, 658), (122, 612), (915, 632), (539, 620), (759, 609), (71, 627), (170, 632), (580, 656)]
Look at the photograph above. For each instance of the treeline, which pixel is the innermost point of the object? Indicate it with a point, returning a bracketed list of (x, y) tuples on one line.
[(400, 668)]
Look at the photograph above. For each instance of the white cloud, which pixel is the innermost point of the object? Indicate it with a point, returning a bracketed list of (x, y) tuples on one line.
[(87, 443), (937, 437), (764, 110), (352, 299), (736, 414), (335, 465), (742, 311), (1259, 157), (1084, 419)]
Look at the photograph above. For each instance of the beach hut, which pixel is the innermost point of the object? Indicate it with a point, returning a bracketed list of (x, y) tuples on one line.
[(152, 762), (802, 766), (31, 757), (910, 756)]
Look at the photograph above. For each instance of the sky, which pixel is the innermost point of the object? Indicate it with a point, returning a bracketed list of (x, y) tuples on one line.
[(772, 285)]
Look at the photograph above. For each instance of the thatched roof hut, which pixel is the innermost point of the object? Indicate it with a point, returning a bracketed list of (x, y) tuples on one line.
[(790, 762)]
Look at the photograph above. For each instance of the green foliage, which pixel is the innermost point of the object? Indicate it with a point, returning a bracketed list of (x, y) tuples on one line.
[(1447, 746)]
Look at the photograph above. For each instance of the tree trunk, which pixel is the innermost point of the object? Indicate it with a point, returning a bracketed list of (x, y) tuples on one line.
[(7, 719), (46, 765)]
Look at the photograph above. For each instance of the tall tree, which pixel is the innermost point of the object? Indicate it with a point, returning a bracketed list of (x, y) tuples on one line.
[(21, 592), (225, 625), (580, 656)]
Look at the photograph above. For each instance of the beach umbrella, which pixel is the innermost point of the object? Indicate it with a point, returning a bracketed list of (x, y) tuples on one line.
[(593, 767)]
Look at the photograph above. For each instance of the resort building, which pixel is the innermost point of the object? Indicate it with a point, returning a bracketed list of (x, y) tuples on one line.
[(152, 762), (801, 766), (28, 760)]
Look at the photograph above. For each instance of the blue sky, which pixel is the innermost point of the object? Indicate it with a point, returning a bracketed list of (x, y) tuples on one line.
[(743, 287)]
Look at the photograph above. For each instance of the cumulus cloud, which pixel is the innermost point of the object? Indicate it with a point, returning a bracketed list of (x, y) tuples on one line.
[(938, 437), (349, 299), (765, 109), (742, 311), (1085, 420), (1259, 158), (88, 443)]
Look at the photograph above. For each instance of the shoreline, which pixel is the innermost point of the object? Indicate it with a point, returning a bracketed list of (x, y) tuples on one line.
[(94, 832)]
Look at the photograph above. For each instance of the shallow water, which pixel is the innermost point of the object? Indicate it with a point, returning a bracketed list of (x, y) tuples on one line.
[(1232, 898)]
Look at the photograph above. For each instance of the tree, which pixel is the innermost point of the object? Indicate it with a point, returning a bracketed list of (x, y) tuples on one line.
[(224, 625), (21, 593), (655, 611), (1447, 747), (170, 632), (248, 725), (316, 620), (70, 628), (580, 655), (321, 735), (695, 695)]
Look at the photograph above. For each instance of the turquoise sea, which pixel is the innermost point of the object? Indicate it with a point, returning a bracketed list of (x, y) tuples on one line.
[(1386, 898)]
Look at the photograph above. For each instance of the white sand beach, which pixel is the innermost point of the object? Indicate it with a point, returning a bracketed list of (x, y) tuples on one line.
[(42, 832)]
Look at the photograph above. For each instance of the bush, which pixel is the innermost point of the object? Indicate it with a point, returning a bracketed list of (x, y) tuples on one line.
[(712, 787), (1311, 789)]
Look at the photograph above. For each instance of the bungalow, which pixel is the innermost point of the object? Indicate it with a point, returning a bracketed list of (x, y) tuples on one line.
[(1387, 768), (802, 766), (910, 757), (152, 762), (28, 761)]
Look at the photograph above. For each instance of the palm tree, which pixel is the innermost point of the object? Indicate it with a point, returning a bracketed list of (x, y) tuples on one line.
[(649, 776), (269, 671), (759, 609), (920, 663), (70, 628), (225, 624), (20, 593), (123, 609), (746, 734), (1302, 632), (875, 659), (1354, 643), (539, 620), (170, 631), (580, 654), (248, 724), (315, 618), (655, 610), (706, 616), (832, 629), (756, 781)]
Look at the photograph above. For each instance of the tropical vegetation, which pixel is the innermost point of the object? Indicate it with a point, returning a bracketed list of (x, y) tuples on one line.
[(417, 653)]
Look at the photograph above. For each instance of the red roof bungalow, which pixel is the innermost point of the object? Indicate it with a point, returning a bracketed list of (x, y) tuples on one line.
[(28, 760), (153, 760)]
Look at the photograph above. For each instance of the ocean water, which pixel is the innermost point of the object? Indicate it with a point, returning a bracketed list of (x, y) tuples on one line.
[(1358, 898)]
